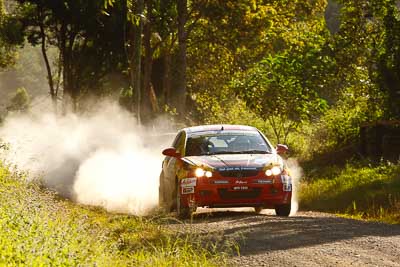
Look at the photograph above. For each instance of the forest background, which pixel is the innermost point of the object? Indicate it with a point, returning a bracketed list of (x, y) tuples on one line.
[(308, 73), (295, 69)]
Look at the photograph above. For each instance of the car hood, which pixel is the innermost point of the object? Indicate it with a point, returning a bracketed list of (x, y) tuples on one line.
[(226, 161)]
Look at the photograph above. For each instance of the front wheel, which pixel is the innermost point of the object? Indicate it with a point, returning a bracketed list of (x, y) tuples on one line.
[(258, 210), (162, 203), (182, 212), (166, 194), (282, 210)]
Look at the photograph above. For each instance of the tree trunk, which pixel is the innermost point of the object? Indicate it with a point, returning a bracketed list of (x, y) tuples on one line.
[(168, 38), (167, 77), (53, 92), (63, 50), (136, 67), (181, 61), (71, 90), (50, 80), (147, 104)]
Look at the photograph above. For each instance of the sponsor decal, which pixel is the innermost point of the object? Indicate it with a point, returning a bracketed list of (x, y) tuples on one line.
[(287, 183), (188, 182), (287, 187), (241, 182), (187, 190), (237, 169), (221, 182), (264, 181), (286, 179)]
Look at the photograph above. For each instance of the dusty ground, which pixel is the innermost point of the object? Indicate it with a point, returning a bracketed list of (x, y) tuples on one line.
[(306, 239)]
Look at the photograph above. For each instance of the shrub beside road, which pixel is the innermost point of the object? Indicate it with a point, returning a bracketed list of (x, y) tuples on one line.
[(357, 190), (39, 228)]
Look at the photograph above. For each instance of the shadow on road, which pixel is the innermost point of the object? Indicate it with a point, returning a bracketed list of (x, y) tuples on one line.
[(258, 233)]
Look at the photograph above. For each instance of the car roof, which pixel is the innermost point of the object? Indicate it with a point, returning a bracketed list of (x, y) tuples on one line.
[(218, 127)]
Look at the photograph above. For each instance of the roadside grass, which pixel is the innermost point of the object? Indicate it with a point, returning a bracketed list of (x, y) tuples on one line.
[(357, 190), (38, 228)]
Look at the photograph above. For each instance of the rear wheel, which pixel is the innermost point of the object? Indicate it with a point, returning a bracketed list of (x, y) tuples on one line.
[(282, 210)]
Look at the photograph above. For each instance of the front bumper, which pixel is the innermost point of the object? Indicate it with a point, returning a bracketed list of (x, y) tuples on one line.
[(234, 192)]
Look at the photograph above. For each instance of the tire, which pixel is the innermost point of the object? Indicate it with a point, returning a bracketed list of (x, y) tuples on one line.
[(166, 196), (161, 198), (258, 210), (173, 195), (181, 211), (282, 210)]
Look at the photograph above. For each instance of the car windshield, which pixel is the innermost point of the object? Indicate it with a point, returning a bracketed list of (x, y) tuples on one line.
[(226, 143)]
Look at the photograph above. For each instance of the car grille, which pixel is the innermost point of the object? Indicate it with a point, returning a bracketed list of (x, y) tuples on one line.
[(226, 194), (239, 174)]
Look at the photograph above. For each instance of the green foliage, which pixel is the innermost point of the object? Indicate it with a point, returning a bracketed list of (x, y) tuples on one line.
[(11, 30), (314, 89), (37, 228), (20, 102), (283, 88), (90, 45), (369, 38), (339, 127), (360, 190), (125, 98), (277, 70), (8, 34), (224, 110), (272, 64), (275, 90), (35, 232), (389, 65), (28, 72)]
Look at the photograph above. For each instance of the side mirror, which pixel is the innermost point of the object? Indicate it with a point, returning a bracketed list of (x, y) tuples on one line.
[(171, 152), (281, 149)]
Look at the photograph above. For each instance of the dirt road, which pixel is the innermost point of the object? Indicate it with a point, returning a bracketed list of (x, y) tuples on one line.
[(306, 239)]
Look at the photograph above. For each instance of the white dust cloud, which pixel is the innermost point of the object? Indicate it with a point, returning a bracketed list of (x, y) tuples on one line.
[(296, 173), (102, 158)]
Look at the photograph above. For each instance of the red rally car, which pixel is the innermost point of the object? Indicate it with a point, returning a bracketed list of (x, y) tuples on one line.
[(224, 166)]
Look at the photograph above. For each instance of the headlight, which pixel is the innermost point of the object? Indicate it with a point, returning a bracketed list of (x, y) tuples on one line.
[(199, 172), (274, 171)]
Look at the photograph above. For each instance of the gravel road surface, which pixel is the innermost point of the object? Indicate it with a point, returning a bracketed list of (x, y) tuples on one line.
[(306, 239)]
